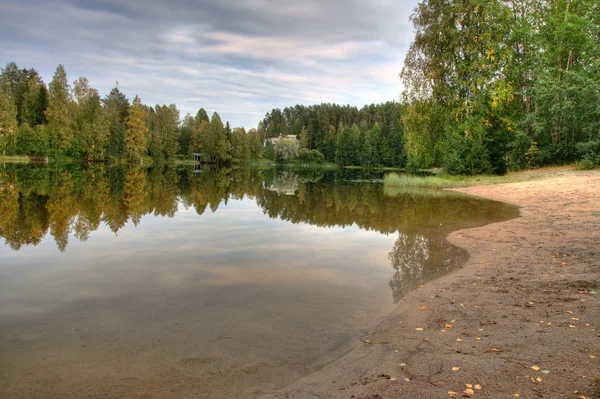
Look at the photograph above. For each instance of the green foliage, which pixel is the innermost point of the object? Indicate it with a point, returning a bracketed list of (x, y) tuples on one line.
[(255, 144), (478, 71), (32, 140), (216, 147), (240, 145), (310, 156), (286, 150), (316, 127), (269, 152), (590, 155), (57, 112), (135, 138), (8, 117)]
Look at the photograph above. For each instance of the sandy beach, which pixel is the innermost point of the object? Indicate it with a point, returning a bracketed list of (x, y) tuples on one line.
[(519, 319)]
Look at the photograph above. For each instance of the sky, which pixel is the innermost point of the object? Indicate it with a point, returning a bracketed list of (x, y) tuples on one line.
[(238, 58)]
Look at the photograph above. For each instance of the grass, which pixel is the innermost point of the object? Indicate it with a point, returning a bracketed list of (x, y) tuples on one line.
[(448, 181), (14, 159), (184, 162)]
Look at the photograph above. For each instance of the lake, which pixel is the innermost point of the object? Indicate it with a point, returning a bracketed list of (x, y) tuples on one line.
[(216, 283)]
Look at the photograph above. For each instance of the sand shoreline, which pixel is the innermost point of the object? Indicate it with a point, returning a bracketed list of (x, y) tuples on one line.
[(522, 299)]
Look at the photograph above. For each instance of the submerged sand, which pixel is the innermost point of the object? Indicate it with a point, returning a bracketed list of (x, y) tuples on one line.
[(520, 318)]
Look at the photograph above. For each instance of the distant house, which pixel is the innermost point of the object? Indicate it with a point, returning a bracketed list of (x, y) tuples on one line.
[(274, 140)]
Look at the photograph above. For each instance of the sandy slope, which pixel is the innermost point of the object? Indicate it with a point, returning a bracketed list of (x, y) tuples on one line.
[(524, 292)]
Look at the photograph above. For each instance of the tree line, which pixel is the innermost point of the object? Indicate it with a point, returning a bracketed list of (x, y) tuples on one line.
[(498, 84), (72, 120), (371, 136)]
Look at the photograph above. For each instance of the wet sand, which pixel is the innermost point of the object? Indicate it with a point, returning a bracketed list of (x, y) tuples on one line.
[(526, 297)]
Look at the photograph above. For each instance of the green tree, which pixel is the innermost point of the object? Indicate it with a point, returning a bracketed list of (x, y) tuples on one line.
[(8, 117), (216, 148), (136, 131), (240, 145), (58, 109), (255, 144)]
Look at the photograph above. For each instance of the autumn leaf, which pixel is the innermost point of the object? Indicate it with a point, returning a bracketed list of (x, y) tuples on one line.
[(448, 325), (423, 307), (536, 368), (451, 394), (468, 393), (478, 387), (592, 356), (538, 379), (455, 368), (419, 328), (495, 350), (458, 340)]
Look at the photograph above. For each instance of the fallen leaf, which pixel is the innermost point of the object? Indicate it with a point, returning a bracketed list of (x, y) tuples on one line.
[(538, 379), (575, 318), (407, 379), (592, 356), (396, 351), (495, 350), (536, 368), (420, 285), (455, 368), (468, 392), (546, 371), (478, 387), (469, 385), (569, 311), (477, 339), (462, 305), (402, 364), (458, 340), (517, 395), (419, 328), (451, 394), (571, 326), (448, 325), (393, 378), (593, 292), (423, 307)]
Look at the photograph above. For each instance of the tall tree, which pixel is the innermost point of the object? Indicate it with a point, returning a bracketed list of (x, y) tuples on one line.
[(135, 135), (58, 109), (8, 116)]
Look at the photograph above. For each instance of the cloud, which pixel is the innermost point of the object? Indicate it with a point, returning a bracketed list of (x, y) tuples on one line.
[(239, 58)]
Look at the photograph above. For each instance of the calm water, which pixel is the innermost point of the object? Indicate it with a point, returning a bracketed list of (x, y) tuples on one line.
[(117, 282)]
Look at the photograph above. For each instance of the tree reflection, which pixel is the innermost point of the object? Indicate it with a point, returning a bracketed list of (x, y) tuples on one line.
[(75, 200), (417, 259)]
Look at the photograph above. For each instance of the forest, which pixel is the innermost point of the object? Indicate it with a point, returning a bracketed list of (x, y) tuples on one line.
[(72, 120), (489, 86)]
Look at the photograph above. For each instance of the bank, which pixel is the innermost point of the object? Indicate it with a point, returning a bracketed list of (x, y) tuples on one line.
[(519, 319)]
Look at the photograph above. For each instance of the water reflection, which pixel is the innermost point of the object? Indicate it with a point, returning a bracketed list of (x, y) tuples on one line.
[(76, 200), (163, 282)]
